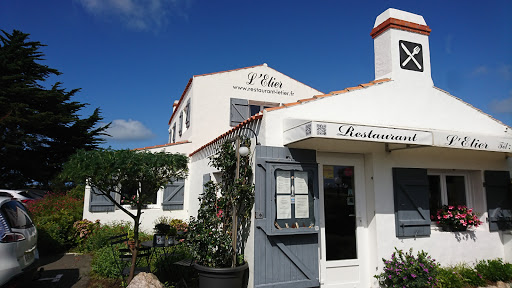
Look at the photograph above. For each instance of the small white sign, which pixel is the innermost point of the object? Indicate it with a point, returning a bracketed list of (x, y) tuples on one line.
[(284, 207)]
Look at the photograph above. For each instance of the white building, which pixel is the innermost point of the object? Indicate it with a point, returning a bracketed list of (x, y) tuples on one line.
[(369, 165)]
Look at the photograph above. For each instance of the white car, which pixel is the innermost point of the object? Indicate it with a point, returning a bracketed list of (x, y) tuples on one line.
[(23, 195), (18, 238)]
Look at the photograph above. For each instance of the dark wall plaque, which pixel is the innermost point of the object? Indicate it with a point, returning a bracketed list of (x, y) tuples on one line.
[(411, 56)]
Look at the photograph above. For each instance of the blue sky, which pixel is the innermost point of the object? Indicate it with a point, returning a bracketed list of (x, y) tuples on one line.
[(133, 58)]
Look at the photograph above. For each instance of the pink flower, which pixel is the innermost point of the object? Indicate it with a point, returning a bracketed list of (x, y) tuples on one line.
[(219, 214), (450, 207)]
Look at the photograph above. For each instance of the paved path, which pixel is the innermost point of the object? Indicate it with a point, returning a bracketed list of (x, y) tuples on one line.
[(56, 271)]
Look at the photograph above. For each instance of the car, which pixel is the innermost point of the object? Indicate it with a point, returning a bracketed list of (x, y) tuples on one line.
[(24, 195), (18, 239)]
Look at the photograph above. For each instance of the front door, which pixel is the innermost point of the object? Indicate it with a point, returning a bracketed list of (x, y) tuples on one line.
[(343, 224)]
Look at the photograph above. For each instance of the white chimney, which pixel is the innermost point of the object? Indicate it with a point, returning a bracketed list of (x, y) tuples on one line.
[(401, 47), (175, 105)]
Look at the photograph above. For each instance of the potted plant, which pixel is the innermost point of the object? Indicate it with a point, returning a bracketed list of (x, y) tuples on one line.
[(161, 231), (171, 236), (456, 218), (217, 236)]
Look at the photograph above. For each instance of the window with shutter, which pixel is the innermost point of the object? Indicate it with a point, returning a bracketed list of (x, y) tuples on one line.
[(499, 200), (411, 193), (174, 195), (99, 202), (180, 131), (187, 109), (174, 133), (239, 111)]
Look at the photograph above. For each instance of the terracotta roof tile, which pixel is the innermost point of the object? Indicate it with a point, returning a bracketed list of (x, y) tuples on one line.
[(322, 96), (367, 84), (306, 100), (274, 108), (381, 80), (354, 88), (163, 145), (291, 104)]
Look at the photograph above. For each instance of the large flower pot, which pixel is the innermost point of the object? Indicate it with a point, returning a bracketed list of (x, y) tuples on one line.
[(221, 277)]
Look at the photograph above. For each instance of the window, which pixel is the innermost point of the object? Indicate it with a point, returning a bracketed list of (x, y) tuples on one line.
[(181, 123), (187, 114), (128, 192), (447, 188), (174, 133), (255, 107), (16, 215)]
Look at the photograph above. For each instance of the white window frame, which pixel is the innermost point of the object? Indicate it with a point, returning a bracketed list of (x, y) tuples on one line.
[(444, 194)]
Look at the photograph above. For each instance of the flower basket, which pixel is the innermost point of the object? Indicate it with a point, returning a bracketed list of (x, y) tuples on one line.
[(456, 218)]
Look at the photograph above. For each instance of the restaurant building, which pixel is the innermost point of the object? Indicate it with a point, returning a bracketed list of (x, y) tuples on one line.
[(343, 178)]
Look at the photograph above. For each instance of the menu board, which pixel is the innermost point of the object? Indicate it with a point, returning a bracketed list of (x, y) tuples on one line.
[(294, 199)]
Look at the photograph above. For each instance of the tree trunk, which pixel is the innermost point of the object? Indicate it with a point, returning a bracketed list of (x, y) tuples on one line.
[(135, 250)]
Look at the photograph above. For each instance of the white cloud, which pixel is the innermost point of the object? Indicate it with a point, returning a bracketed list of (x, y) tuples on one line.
[(480, 70), (502, 106), (141, 15), (506, 71), (128, 130)]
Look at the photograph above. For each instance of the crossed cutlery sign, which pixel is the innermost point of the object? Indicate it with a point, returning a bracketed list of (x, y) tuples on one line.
[(415, 51)]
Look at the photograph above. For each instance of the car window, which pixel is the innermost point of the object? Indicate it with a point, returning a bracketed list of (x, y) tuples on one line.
[(16, 215)]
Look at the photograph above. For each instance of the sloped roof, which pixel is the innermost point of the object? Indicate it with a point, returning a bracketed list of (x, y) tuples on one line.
[(163, 145)]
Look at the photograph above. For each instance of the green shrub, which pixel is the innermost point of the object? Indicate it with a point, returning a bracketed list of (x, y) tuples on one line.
[(459, 276), (54, 216), (97, 235), (494, 270), (104, 263), (405, 270)]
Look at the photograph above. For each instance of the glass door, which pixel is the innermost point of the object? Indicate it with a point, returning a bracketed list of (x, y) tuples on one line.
[(343, 231), (340, 212)]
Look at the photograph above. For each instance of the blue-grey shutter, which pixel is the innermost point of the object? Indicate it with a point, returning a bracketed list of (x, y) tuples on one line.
[(412, 212), (174, 133), (99, 202), (187, 121), (173, 195), (239, 111), (181, 123), (499, 200)]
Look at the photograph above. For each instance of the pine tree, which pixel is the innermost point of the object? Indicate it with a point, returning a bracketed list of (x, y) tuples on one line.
[(39, 127)]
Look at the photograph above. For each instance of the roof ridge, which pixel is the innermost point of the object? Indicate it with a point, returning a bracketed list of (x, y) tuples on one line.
[(316, 97), (162, 145), (230, 131)]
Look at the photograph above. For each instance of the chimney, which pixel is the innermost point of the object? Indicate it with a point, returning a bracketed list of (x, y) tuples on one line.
[(175, 105), (401, 47)]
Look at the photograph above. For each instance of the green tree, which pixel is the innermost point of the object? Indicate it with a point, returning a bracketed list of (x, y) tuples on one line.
[(108, 170), (39, 127)]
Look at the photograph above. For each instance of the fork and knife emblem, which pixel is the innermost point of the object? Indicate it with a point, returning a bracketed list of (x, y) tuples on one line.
[(415, 51)]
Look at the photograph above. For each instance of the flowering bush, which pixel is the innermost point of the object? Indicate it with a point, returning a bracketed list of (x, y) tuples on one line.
[(456, 218), (405, 270), (54, 216), (223, 218), (84, 228)]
